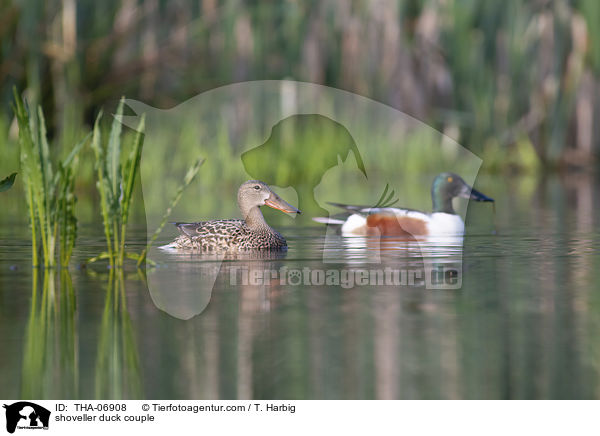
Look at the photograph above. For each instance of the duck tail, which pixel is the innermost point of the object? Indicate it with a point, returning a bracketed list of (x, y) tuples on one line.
[(169, 246), (187, 229), (330, 221)]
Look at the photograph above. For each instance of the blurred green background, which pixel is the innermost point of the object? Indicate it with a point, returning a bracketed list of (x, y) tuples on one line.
[(516, 81)]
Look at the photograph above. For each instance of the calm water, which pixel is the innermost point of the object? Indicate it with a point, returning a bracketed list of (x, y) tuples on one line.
[(524, 324)]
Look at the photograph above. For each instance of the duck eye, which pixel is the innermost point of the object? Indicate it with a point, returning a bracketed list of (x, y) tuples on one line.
[(450, 179), (257, 187)]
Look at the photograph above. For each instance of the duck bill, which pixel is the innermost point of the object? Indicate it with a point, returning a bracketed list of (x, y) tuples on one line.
[(473, 194), (276, 202), (478, 196)]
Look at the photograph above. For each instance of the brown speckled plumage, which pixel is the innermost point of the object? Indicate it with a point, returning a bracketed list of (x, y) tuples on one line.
[(253, 233), (221, 235)]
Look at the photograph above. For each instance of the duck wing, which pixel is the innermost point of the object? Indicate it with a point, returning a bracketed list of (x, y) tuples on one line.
[(208, 227), (369, 210)]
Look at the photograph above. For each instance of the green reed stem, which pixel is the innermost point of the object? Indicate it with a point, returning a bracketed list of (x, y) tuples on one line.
[(49, 195), (189, 178), (34, 253), (101, 184), (116, 184)]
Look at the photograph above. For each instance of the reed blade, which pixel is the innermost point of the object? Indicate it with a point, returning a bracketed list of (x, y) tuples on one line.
[(113, 157), (189, 178), (6, 183)]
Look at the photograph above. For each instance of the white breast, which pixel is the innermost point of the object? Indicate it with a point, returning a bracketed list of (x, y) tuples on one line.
[(445, 224), (355, 225)]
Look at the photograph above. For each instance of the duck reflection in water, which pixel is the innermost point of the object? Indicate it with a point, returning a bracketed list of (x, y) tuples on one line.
[(183, 283)]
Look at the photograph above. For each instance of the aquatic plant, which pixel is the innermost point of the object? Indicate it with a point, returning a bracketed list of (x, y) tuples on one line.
[(386, 199), (118, 368), (6, 183), (115, 183), (49, 193), (50, 357), (189, 177)]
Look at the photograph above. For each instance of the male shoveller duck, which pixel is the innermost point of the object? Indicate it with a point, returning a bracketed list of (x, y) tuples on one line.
[(392, 221), (251, 233)]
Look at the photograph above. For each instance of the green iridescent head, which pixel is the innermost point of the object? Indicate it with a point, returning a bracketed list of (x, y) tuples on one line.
[(447, 186)]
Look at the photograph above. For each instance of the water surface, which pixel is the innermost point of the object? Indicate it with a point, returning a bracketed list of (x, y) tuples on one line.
[(523, 325)]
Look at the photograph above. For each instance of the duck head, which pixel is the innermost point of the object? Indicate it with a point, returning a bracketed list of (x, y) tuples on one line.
[(446, 186), (255, 193)]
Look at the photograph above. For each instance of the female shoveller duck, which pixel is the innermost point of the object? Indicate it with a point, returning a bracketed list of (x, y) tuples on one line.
[(250, 233)]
